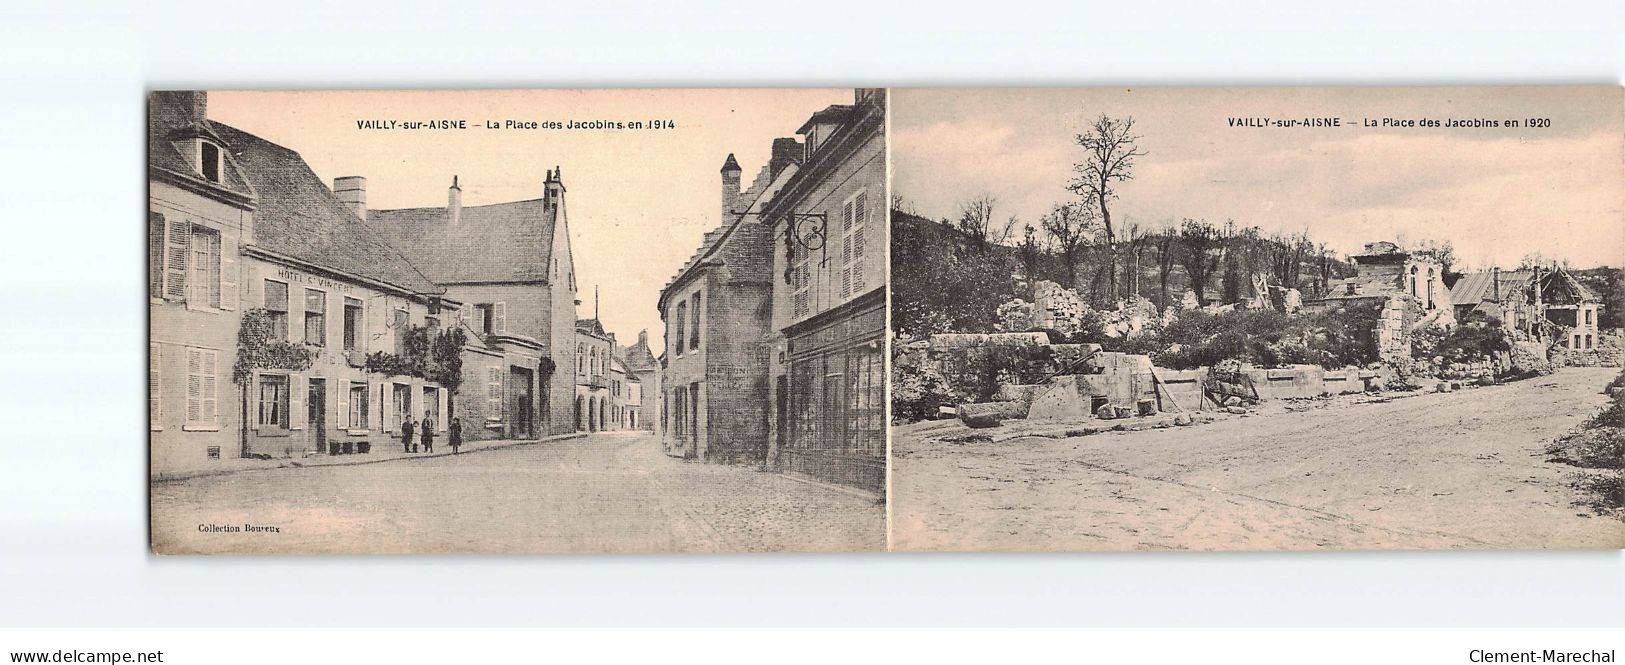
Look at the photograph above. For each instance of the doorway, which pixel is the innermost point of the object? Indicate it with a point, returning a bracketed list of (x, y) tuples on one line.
[(316, 412)]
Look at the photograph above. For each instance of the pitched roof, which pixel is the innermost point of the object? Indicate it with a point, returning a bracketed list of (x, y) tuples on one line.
[(298, 216), (165, 126), (1477, 287), (1558, 286), (500, 242)]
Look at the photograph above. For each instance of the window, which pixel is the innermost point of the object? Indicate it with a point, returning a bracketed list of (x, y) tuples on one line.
[(694, 339), (205, 267), (209, 160), (581, 359), (358, 407), (402, 404), (276, 308), (315, 317), (202, 387), (682, 326), (398, 323), (854, 214), (493, 393), (273, 404), (155, 386), (800, 282), (432, 323), (1590, 313), (178, 244), (352, 324), (483, 318), (155, 255), (499, 318)]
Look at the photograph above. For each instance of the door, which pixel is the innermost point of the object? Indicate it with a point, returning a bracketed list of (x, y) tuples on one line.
[(782, 409), (316, 412), (522, 403)]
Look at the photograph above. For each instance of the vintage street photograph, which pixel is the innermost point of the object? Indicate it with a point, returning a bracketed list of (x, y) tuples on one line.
[(1257, 319), (517, 321)]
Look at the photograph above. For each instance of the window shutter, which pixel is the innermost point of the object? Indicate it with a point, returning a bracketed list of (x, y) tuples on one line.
[(211, 395), (499, 317), (296, 403), (179, 246), (194, 385), (155, 385), (344, 405), (228, 273), (440, 417), (155, 254)]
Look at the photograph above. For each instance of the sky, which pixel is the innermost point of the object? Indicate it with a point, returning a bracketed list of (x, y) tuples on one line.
[(1495, 193), (638, 200)]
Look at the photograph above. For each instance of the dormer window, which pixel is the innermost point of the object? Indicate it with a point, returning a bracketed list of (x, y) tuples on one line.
[(209, 161), (812, 142)]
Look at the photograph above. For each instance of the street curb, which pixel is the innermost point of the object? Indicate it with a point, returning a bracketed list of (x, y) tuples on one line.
[(226, 472), (842, 489)]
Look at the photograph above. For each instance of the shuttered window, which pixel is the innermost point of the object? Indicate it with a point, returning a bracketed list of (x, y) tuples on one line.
[(177, 246), (202, 387), (205, 279), (352, 324), (681, 327), (800, 282), (155, 401), (493, 395), (358, 407), (499, 317), (155, 255), (854, 214)]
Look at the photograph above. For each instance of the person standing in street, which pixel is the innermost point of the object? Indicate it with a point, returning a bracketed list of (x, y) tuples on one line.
[(407, 444), (455, 434), (428, 432)]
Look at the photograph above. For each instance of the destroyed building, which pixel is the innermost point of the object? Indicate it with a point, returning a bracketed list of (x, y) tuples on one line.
[(1408, 288)]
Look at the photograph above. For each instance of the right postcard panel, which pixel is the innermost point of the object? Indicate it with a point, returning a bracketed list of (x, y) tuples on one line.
[(1257, 318)]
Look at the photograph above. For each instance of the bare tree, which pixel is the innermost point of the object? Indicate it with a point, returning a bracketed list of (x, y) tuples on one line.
[(976, 219), (1134, 238), (901, 204), (1167, 240), (1069, 225), (1438, 250), (1287, 253), (1109, 152), (1204, 249)]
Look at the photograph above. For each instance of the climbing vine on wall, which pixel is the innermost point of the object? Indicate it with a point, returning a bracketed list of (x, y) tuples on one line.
[(439, 359), (257, 350)]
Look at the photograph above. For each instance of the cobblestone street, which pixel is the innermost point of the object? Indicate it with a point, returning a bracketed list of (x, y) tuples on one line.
[(608, 492)]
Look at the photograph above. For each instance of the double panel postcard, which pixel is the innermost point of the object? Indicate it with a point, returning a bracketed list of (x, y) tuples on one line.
[(848, 320)]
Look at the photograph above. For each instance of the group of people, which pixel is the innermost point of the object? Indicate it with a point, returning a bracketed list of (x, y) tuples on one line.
[(454, 434)]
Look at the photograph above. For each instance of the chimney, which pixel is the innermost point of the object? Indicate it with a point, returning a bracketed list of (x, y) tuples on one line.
[(643, 338), (1495, 278), (553, 189), (730, 187), (351, 190), (785, 153), (454, 202), (177, 108)]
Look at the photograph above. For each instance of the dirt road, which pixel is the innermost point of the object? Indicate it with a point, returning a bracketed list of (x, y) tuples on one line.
[(1452, 470)]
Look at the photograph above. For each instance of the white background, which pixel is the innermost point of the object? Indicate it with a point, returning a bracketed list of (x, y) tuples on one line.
[(72, 488)]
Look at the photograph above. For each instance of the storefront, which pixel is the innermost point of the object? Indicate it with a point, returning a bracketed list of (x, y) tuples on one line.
[(836, 402)]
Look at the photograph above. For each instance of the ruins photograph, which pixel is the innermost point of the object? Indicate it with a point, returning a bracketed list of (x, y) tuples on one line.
[(516, 321), (1257, 319)]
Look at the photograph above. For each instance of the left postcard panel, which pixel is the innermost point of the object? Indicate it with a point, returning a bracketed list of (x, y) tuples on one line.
[(516, 321)]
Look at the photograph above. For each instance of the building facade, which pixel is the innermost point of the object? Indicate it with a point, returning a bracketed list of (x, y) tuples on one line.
[(827, 361), (643, 371), (594, 409), (199, 213), (511, 265), (717, 312)]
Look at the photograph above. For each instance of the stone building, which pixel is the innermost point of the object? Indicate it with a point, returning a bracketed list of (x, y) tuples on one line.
[(716, 310), (1408, 288), (826, 356), (593, 390), (512, 264), (1494, 293), (200, 210), (643, 372)]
